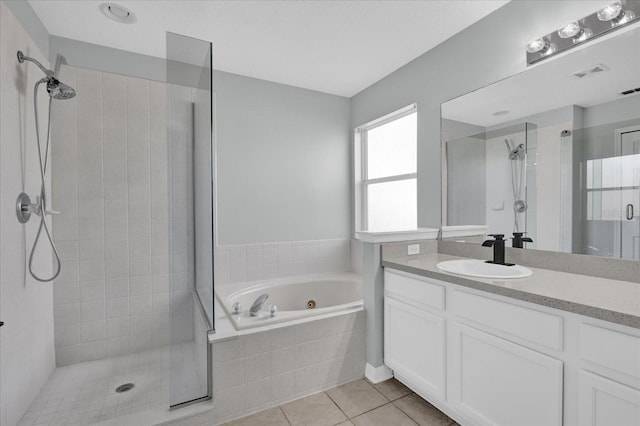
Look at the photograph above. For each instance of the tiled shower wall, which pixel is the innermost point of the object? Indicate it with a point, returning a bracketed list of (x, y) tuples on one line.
[(254, 262), (110, 182)]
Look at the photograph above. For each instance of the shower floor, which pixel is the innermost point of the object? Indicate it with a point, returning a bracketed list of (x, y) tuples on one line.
[(84, 393)]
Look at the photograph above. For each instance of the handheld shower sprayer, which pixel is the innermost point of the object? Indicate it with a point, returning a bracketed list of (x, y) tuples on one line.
[(517, 155), (56, 90)]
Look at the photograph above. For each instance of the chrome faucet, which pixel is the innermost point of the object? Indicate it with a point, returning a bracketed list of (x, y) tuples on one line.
[(257, 305)]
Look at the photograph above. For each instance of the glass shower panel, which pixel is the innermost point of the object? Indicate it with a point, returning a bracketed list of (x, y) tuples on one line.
[(189, 81)]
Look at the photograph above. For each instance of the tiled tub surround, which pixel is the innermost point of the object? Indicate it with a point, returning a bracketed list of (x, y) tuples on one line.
[(110, 182), (263, 261), (264, 369)]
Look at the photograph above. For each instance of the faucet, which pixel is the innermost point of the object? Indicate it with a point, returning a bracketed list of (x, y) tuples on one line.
[(498, 249), (257, 305), (519, 240)]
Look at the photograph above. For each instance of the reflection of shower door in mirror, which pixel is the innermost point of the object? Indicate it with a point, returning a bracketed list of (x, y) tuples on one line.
[(630, 193)]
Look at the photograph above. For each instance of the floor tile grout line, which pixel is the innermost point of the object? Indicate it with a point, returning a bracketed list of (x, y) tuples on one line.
[(336, 404), (285, 415)]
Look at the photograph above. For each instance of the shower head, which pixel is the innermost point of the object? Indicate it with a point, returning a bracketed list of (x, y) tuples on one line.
[(514, 153), (59, 90), (55, 88)]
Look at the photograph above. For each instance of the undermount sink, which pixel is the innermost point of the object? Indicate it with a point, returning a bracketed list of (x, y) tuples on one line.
[(481, 269)]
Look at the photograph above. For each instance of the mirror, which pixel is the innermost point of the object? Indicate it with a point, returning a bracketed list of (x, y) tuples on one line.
[(553, 151)]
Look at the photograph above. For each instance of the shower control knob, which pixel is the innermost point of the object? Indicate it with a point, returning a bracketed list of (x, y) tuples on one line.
[(237, 308)]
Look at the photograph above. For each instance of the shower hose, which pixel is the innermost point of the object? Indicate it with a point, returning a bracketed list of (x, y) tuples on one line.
[(517, 168), (42, 204)]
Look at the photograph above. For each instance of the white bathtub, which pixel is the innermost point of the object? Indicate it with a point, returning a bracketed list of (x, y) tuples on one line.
[(332, 293)]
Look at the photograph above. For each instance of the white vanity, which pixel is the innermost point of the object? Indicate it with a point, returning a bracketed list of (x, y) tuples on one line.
[(546, 350)]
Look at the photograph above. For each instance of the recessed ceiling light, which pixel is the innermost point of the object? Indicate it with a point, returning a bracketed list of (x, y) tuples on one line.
[(118, 13), (499, 113)]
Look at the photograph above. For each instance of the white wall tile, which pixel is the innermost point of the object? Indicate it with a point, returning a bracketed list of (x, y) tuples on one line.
[(140, 285), (116, 288), (115, 308), (257, 367), (92, 290), (92, 310), (91, 270), (66, 335), (92, 331), (269, 254), (90, 249), (117, 327), (66, 292)]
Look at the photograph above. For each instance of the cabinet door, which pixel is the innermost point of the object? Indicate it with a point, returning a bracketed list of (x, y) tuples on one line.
[(414, 345), (604, 402), (497, 382)]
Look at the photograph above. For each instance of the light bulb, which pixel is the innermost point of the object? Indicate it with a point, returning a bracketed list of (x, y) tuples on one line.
[(536, 45), (570, 30), (610, 12)]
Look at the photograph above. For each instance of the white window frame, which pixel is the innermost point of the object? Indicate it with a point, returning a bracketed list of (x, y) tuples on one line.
[(360, 169)]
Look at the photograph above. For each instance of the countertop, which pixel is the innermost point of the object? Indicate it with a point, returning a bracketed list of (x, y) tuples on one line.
[(605, 299)]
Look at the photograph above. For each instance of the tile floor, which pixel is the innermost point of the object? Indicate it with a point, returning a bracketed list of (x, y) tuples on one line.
[(84, 393), (356, 403)]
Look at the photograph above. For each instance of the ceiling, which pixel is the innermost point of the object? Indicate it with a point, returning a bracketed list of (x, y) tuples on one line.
[(338, 47), (552, 85)]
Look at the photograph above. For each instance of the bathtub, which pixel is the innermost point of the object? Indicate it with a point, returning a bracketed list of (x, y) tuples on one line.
[(297, 299)]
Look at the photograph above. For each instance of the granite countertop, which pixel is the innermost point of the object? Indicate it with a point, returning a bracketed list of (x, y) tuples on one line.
[(606, 299)]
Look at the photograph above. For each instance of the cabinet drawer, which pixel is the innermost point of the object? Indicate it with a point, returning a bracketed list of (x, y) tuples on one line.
[(611, 349), (414, 291), (519, 323)]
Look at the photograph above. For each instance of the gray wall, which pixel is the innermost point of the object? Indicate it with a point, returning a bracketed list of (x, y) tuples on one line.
[(489, 50), (283, 162)]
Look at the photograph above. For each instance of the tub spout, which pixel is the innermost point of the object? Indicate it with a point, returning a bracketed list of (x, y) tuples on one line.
[(257, 305)]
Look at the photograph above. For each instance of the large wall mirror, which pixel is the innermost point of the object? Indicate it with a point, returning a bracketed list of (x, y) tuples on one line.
[(553, 152)]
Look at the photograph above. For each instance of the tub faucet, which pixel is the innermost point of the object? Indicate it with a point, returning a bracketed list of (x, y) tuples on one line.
[(498, 249), (257, 305)]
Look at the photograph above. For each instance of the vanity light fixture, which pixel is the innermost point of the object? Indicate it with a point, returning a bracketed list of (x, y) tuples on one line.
[(609, 18)]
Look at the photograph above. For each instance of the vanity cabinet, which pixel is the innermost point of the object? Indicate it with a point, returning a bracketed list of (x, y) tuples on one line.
[(605, 402), (415, 345), (609, 378), (496, 382), (486, 359)]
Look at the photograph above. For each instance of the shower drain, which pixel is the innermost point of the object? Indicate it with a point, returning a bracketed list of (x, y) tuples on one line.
[(125, 388)]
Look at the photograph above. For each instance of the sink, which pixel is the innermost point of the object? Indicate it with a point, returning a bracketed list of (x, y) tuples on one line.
[(481, 269)]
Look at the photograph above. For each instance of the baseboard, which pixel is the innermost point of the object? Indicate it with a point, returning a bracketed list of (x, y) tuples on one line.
[(377, 374)]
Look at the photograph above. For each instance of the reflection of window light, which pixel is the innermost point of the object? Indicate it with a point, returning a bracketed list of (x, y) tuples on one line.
[(611, 184)]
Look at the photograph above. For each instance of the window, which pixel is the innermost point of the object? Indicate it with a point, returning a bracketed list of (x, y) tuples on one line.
[(386, 178)]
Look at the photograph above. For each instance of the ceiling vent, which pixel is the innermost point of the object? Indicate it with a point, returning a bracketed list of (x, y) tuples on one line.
[(631, 91), (589, 71)]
